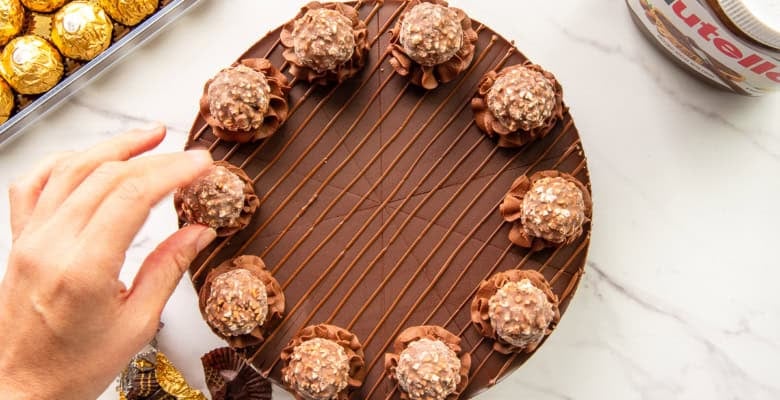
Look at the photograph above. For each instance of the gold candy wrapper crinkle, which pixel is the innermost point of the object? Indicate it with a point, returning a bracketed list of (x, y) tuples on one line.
[(43, 6), (6, 101), (129, 12), (11, 20), (150, 375), (81, 30), (31, 65)]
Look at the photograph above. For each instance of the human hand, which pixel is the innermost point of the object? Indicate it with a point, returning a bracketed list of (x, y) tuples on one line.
[(67, 324)]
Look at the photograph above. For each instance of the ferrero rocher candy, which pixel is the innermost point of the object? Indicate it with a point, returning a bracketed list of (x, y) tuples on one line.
[(318, 369), (6, 101), (522, 98), (81, 30), (129, 12), (521, 313), (431, 34), (428, 369), (11, 20), (554, 209), (31, 65), (43, 6)]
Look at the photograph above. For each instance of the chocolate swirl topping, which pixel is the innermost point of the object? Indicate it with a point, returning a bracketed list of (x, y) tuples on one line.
[(511, 209), (275, 116), (489, 124), (430, 77), (342, 71), (344, 338), (480, 307), (275, 296), (432, 332)]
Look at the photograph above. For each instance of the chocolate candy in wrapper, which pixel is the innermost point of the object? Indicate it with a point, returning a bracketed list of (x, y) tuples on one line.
[(129, 12), (31, 65), (11, 19), (6, 101), (81, 30), (43, 6), (151, 376)]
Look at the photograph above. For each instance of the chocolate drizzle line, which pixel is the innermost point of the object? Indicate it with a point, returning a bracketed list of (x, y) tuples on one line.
[(377, 210), (492, 270), (302, 155), (310, 147), (446, 264)]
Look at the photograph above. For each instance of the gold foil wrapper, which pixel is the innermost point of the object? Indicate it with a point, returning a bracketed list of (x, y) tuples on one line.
[(129, 12), (81, 30), (31, 65), (11, 20), (6, 101), (172, 381), (43, 5), (150, 375)]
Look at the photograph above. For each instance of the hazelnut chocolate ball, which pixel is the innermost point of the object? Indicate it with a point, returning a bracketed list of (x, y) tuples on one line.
[(237, 304), (318, 369), (428, 369), (522, 99), (554, 210), (215, 200), (323, 39), (238, 98), (520, 313), (431, 34)]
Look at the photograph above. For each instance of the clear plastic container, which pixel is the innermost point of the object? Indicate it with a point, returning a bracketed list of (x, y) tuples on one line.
[(89, 71)]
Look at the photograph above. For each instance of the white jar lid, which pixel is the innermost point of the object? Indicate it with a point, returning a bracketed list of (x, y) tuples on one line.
[(759, 19)]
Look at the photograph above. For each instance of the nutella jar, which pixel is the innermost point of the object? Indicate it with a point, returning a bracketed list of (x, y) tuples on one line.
[(733, 44)]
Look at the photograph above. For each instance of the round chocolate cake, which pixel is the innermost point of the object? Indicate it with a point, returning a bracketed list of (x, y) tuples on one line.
[(379, 206)]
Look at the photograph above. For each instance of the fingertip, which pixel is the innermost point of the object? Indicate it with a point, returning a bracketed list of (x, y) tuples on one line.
[(200, 158)]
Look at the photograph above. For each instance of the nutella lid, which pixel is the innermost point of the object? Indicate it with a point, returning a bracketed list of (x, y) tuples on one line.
[(758, 19)]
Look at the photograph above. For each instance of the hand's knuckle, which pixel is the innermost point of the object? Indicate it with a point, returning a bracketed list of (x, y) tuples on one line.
[(130, 190), (182, 259)]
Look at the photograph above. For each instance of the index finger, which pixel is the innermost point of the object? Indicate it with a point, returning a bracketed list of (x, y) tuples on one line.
[(128, 196)]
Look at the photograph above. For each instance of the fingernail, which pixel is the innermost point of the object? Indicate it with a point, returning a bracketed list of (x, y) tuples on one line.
[(205, 238), (200, 156)]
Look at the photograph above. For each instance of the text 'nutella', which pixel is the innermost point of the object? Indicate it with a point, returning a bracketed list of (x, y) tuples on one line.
[(734, 44)]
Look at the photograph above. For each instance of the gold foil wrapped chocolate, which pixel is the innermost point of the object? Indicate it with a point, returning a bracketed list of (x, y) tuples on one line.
[(129, 12), (150, 375), (81, 30), (43, 5), (6, 101), (11, 19), (31, 65)]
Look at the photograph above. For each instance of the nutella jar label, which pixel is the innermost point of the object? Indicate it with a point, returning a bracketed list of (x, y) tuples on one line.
[(693, 33)]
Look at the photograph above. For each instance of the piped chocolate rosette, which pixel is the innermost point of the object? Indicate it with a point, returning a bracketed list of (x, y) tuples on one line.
[(517, 309), (325, 42), (224, 200), (229, 377), (246, 102), (323, 362), (548, 209), (519, 104), (428, 363), (432, 43), (241, 301)]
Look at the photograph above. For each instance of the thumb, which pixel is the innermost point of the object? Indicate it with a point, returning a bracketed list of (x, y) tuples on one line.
[(163, 268)]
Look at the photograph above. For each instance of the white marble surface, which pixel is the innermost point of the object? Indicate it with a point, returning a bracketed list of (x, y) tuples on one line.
[(679, 300)]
